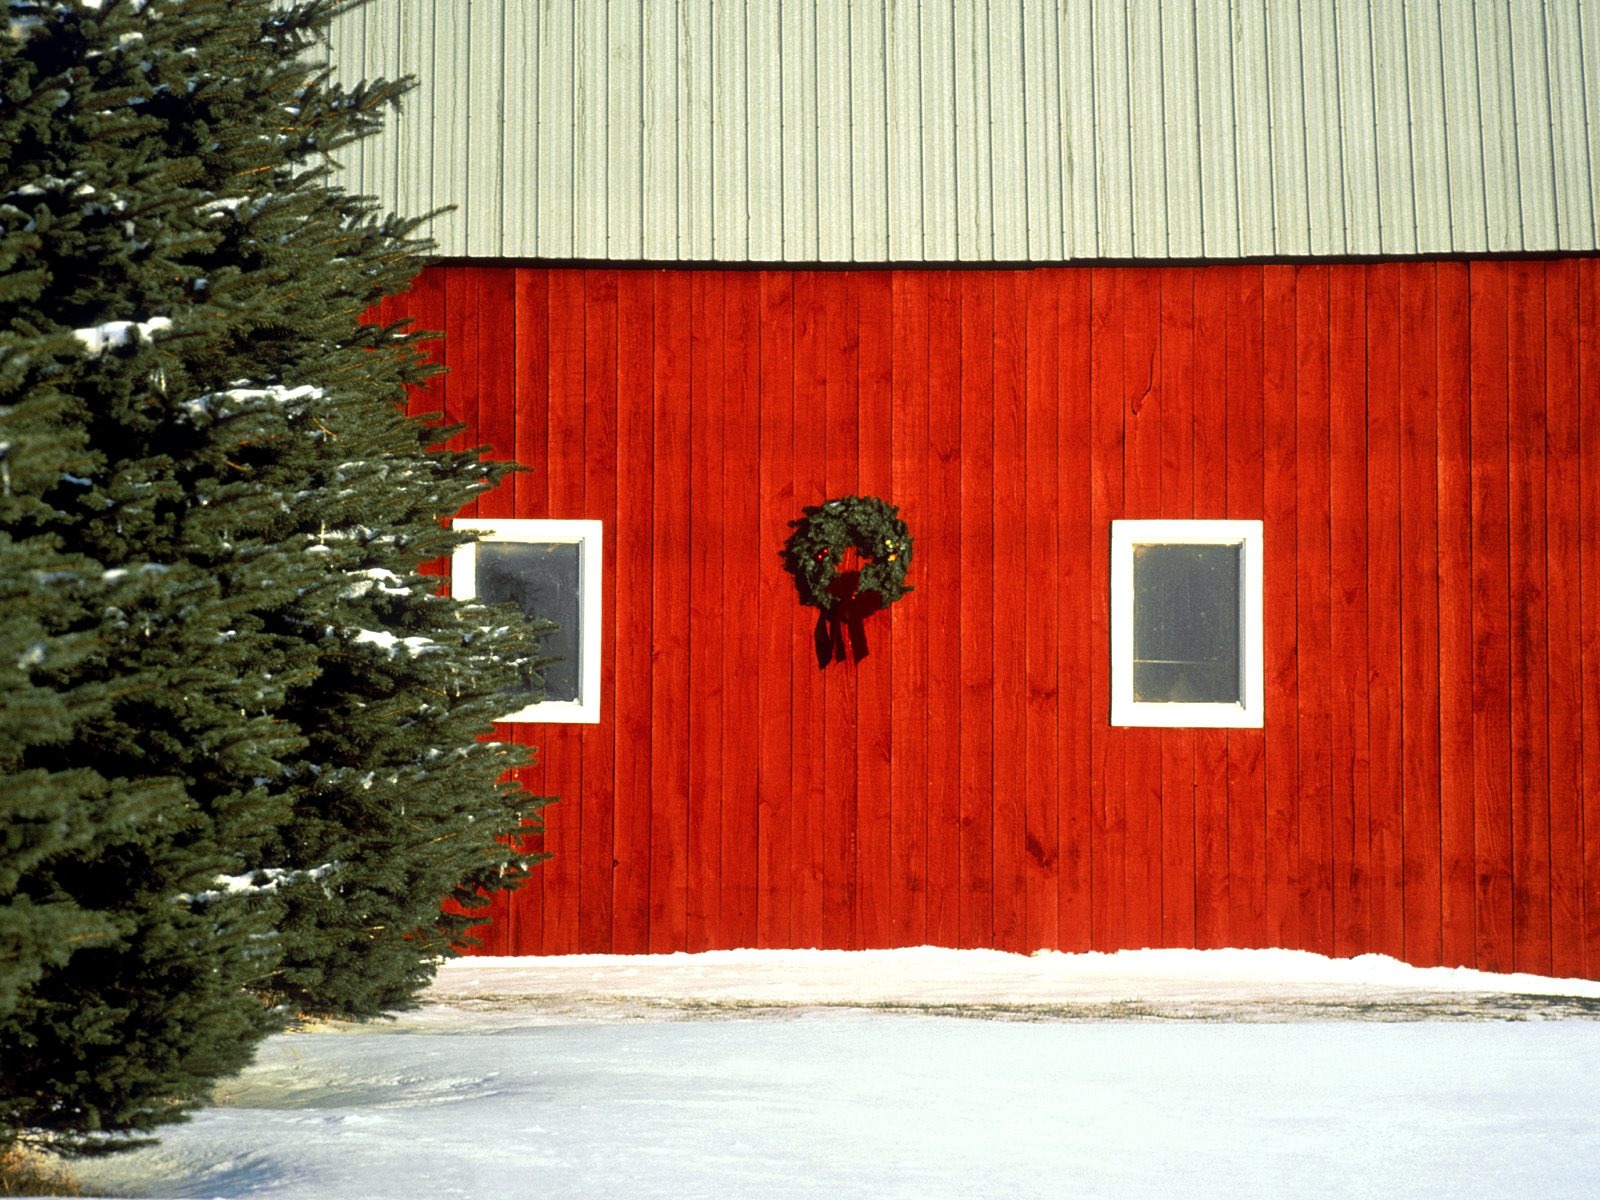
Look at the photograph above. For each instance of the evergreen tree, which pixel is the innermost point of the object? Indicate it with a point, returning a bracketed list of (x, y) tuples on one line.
[(239, 755)]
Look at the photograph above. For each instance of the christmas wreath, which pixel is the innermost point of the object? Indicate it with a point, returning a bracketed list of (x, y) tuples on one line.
[(822, 537)]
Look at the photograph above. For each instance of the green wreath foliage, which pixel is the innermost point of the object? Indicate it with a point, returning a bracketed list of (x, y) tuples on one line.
[(827, 530)]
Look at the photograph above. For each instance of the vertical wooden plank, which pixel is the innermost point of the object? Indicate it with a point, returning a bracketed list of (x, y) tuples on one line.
[(781, 655), (940, 554), (669, 668), (1280, 572), (1491, 616), (1458, 945), (561, 746), (707, 605), (1041, 487), (1108, 832), (977, 608), (1141, 494), (1421, 573), (1385, 602), (842, 441), (810, 765), (1312, 605), (1247, 824), (531, 499), (875, 673), (598, 817), (1079, 717), (1563, 581), (1009, 502), (630, 623), (1177, 501), (1589, 600), (496, 422), (1211, 902), (425, 306), (456, 390), (744, 562), (1530, 747), (908, 818), (1349, 731)]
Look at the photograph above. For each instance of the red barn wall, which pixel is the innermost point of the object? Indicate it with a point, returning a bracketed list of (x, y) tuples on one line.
[(1422, 441)]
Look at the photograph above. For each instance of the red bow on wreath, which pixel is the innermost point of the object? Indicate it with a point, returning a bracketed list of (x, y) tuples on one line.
[(848, 616)]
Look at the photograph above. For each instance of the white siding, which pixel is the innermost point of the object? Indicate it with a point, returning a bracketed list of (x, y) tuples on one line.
[(992, 131)]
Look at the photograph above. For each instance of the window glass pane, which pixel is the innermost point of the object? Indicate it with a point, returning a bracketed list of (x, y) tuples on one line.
[(1186, 624), (543, 580)]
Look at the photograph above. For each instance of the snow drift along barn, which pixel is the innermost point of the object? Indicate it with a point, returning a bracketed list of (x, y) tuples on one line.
[(1312, 285)]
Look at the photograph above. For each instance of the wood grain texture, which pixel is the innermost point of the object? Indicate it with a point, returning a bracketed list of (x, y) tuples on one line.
[(1417, 438)]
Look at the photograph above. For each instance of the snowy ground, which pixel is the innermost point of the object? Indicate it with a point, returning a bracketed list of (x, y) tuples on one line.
[(917, 1073)]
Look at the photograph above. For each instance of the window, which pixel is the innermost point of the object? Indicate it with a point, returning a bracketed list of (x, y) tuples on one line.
[(1186, 623), (548, 569)]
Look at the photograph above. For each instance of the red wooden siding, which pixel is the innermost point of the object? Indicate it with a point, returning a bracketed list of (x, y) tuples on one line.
[(1421, 441)]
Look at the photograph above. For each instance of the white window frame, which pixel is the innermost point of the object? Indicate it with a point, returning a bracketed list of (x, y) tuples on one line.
[(585, 710), (1127, 711)]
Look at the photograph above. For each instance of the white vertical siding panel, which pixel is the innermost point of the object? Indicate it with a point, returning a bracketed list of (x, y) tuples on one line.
[(1079, 168), (1113, 153), (1286, 110), (556, 133), (660, 131), (800, 167), (764, 72), (1219, 178), (484, 206), (974, 199), (1253, 122), (1587, 80), (1181, 147), (1497, 112), (1146, 131), (696, 197), (1358, 136), (349, 63), (983, 130), (1008, 146), (1042, 130), (1397, 201), (1431, 174), (904, 122), (834, 160), (451, 62), (1324, 197), (377, 169), (1574, 202), (1463, 139), (416, 132), (381, 177), (940, 207), (730, 136), (869, 127), (1531, 98), (591, 99), (624, 129), (520, 168)]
